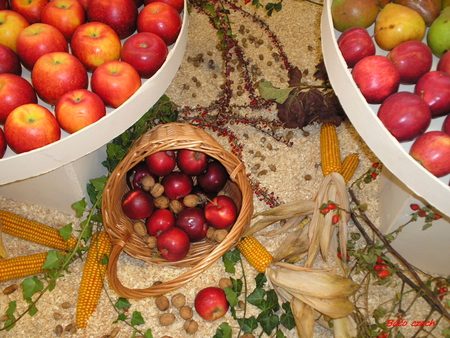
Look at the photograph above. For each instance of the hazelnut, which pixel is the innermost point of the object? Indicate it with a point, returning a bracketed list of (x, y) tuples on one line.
[(57, 315), (225, 283), (186, 312), (190, 326), (162, 303), (248, 335), (66, 305), (178, 300), (166, 319)]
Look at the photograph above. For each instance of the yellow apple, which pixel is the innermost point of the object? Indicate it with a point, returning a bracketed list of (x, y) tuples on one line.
[(396, 24), (11, 23)]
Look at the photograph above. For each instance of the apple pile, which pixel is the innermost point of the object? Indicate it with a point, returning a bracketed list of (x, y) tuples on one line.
[(400, 29), (83, 56), (179, 196)]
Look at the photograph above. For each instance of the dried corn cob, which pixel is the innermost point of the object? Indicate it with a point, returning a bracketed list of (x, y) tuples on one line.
[(329, 149), (255, 253), (22, 266), (349, 166), (3, 253), (92, 279), (33, 231)]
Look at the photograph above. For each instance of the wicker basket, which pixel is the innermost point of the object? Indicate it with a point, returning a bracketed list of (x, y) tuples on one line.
[(171, 136)]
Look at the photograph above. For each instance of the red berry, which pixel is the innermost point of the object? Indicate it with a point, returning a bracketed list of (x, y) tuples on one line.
[(383, 273), (331, 206), (377, 267), (383, 335), (374, 175), (375, 165), (414, 207), (335, 219), (441, 291), (380, 260), (339, 255), (436, 217), (325, 210), (422, 213)]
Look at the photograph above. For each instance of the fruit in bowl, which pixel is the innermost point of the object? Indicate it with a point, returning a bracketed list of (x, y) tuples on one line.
[(65, 15), (3, 143), (429, 9), (11, 23), (438, 37), (434, 88), (351, 13), (355, 44), (137, 204), (173, 244), (9, 61)]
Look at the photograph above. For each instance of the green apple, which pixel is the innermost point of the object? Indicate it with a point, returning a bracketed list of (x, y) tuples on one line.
[(396, 24), (445, 4), (350, 13), (429, 10), (438, 37)]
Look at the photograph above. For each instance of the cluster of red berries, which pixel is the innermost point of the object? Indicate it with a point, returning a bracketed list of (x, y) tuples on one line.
[(442, 289), (327, 207), (381, 268), (383, 335), (424, 212), (372, 173)]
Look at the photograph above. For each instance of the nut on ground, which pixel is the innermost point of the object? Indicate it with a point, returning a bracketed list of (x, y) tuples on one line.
[(162, 303), (178, 300), (186, 312), (166, 319), (190, 326), (225, 283)]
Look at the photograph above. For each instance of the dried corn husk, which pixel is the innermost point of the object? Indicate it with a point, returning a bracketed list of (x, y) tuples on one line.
[(304, 318), (342, 327), (3, 254), (298, 222), (294, 246)]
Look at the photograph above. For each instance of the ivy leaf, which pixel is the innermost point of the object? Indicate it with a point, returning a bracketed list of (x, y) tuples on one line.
[(446, 332), (287, 318), (122, 317), (268, 322), (137, 319), (269, 92), (10, 323), (256, 298), (53, 260), (66, 231), (280, 334), (31, 286), (248, 325), (260, 280), (148, 334), (237, 285), (122, 303), (271, 302), (232, 297), (230, 258), (80, 207), (224, 331)]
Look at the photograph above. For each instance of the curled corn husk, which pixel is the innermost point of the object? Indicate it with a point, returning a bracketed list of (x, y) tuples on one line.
[(294, 246), (3, 254), (304, 318), (342, 327), (298, 222)]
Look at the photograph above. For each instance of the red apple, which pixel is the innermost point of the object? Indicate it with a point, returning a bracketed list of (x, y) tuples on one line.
[(31, 126), (192, 162), (138, 3), (55, 74), (355, 44), (4, 4), (115, 82), (65, 15), (214, 178), (434, 88), (84, 3), (146, 52), (412, 60), (432, 150), (221, 212), (14, 92), (39, 39), (161, 19), (161, 163), (444, 63), (177, 185), (3, 143), (29, 9), (446, 125), (137, 204), (376, 77), (120, 15), (193, 222), (95, 43), (211, 303), (11, 23), (178, 4), (9, 61), (406, 115), (173, 244), (79, 108), (158, 221), (137, 173)]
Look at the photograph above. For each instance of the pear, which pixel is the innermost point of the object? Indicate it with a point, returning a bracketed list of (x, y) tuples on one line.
[(396, 24), (429, 10), (350, 13), (438, 37), (445, 4)]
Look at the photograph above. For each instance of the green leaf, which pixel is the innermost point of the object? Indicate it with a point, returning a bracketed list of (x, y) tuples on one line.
[(224, 331), (88, 232), (269, 92), (148, 334), (446, 332), (280, 334), (53, 260), (122, 317), (268, 322), (232, 297), (122, 303), (66, 231), (237, 285), (230, 258), (137, 319), (260, 280), (287, 318), (271, 302), (80, 207), (10, 323), (256, 298), (248, 325), (33, 310), (427, 225), (31, 286)]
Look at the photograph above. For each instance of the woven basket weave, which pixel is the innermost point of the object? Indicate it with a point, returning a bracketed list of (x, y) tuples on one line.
[(171, 136)]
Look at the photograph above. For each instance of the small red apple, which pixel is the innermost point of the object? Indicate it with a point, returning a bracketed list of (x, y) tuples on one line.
[(444, 63), (146, 52), (55, 74), (79, 108), (376, 77), (412, 60), (65, 15), (173, 244), (84, 3), (406, 115), (221, 212), (161, 163), (434, 88), (355, 43), (39, 39), (31, 126), (4, 4), (432, 150), (3, 143), (192, 162), (161, 19), (14, 92), (137, 173), (214, 178), (211, 303), (446, 125), (120, 15), (9, 61), (177, 185), (137, 204), (158, 221), (11, 23), (193, 222), (178, 4), (95, 43), (115, 82), (29, 9)]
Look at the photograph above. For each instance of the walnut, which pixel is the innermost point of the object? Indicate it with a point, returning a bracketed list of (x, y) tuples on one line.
[(186, 312), (162, 303), (178, 300), (225, 283), (151, 241), (191, 326), (175, 206), (157, 190), (147, 182), (161, 202), (166, 319), (140, 229)]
